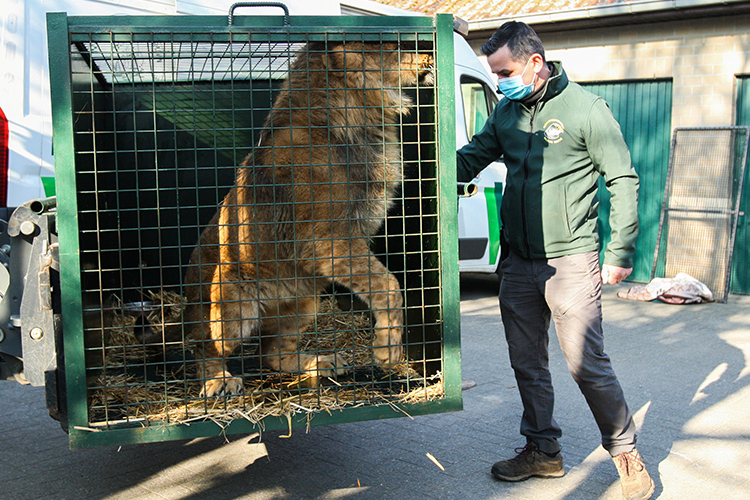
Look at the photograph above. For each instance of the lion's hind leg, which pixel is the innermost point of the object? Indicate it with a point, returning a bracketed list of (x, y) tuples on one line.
[(366, 276), (280, 345)]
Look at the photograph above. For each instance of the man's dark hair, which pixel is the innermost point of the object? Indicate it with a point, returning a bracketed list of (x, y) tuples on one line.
[(522, 41)]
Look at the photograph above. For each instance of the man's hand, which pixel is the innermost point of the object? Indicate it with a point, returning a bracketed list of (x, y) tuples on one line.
[(612, 275)]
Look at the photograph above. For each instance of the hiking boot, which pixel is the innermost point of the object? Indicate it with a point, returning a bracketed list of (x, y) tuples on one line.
[(529, 462), (634, 479)]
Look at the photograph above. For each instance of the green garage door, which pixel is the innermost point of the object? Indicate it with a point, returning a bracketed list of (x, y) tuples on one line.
[(740, 275), (643, 108)]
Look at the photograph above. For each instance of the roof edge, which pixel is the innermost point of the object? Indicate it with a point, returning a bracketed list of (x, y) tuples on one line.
[(604, 11), (372, 8)]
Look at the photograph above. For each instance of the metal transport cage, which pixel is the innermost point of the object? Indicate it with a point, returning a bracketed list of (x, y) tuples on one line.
[(256, 222)]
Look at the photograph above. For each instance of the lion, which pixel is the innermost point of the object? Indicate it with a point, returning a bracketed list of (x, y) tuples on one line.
[(306, 202)]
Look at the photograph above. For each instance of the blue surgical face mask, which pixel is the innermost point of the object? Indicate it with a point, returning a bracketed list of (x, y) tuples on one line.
[(513, 87)]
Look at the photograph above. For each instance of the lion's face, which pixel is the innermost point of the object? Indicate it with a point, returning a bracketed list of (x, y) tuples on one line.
[(390, 63)]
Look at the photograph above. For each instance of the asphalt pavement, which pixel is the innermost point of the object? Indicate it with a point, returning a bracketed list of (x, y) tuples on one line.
[(685, 371)]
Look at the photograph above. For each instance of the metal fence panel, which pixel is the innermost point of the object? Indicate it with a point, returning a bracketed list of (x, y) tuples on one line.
[(699, 216)]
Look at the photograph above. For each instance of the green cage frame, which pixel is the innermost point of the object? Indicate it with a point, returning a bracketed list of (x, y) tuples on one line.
[(61, 35)]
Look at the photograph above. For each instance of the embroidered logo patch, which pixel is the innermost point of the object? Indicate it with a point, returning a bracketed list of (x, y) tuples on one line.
[(553, 131)]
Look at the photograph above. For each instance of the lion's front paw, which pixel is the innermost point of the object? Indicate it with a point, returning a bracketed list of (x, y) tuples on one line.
[(324, 366), (223, 386), (388, 356)]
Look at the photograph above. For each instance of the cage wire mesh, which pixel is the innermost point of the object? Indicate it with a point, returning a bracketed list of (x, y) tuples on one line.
[(258, 231), (701, 205)]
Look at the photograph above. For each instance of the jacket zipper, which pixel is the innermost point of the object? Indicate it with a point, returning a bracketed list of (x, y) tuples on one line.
[(526, 242)]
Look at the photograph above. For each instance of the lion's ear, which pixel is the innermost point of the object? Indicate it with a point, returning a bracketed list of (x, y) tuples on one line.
[(313, 51), (348, 57)]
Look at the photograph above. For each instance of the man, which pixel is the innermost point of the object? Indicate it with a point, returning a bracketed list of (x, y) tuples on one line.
[(557, 140)]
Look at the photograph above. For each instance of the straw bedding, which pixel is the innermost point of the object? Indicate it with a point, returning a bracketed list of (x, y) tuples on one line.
[(155, 382)]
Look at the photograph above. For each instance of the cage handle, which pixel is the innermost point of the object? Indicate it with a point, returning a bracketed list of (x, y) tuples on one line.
[(258, 4)]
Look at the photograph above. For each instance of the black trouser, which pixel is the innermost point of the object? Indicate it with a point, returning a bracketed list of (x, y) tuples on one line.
[(567, 289)]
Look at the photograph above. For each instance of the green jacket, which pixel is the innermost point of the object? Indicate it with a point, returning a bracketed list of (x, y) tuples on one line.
[(555, 151)]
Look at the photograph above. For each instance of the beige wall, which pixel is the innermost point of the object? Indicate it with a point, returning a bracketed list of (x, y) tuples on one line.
[(701, 56)]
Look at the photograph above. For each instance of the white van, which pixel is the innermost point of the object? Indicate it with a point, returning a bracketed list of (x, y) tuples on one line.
[(479, 225)]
